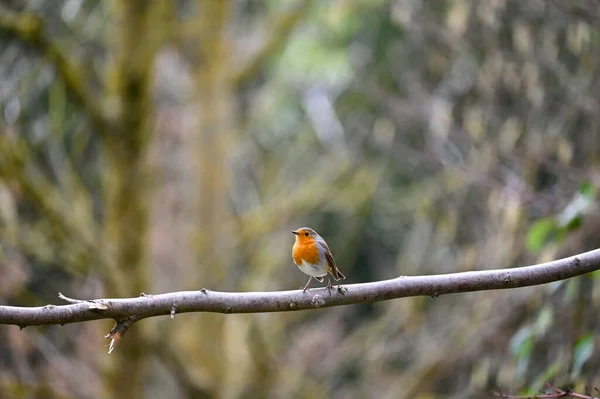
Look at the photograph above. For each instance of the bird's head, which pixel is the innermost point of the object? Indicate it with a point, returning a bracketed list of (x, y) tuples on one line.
[(305, 234)]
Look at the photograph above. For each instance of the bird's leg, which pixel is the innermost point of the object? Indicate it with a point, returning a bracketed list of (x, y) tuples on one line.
[(329, 286), (307, 283)]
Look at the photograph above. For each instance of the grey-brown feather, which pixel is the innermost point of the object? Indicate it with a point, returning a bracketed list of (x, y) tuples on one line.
[(334, 271), (324, 251)]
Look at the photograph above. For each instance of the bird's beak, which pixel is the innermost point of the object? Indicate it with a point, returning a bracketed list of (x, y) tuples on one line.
[(295, 232)]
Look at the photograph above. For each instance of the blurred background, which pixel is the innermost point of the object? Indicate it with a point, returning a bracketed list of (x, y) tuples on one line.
[(154, 146)]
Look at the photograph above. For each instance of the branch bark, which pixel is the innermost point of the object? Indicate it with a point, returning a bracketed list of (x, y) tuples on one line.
[(204, 300)]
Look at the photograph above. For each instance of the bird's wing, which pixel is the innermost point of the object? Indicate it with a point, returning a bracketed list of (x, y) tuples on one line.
[(335, 272)]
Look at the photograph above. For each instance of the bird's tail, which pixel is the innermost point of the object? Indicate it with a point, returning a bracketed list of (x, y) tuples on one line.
[(337, 274)]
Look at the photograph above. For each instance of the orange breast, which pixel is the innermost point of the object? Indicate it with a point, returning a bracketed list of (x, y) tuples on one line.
[(305, 251)]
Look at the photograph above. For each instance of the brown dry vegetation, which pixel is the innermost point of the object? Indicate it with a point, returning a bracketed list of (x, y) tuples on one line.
[(154, 146)]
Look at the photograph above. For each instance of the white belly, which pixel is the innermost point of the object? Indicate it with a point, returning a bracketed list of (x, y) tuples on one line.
[(317, 270)]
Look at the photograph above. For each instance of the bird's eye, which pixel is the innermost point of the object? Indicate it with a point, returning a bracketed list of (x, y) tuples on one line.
[(306, 234)]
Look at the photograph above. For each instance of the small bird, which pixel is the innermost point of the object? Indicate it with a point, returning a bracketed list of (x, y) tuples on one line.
[(312, 255)]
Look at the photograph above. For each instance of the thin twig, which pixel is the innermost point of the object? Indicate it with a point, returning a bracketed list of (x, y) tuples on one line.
[(118, 331), (67, 299), (557, 393)]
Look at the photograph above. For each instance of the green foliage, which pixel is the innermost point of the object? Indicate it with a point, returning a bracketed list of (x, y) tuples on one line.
[(555, 229), (584, 349), (524, 340), (544, 320), (309, 58), (521, 345), (587, 189), (541, 232), (551, 371)]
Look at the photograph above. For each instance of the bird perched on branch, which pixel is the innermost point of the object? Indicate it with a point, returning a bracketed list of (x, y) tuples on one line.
[(312, 255)]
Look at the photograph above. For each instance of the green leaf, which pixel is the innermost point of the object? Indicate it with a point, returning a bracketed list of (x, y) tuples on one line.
[(544, 320), (584, 348), (547, 375), (521, 343), (577, 207), (540, 233), (587, 189), (574, 224)]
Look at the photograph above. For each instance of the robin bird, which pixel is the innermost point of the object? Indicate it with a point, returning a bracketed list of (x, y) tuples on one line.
[(312, 255)]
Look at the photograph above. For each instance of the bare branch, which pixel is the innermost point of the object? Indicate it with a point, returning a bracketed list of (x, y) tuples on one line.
[(280, 301), (553, 393), (118, 331)]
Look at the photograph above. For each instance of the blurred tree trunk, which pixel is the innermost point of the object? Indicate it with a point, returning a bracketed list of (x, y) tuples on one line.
[(126, 176), (213, 121), (214, 113)]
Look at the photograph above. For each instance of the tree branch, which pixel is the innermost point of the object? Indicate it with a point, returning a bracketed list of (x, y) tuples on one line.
[(204, 300)]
